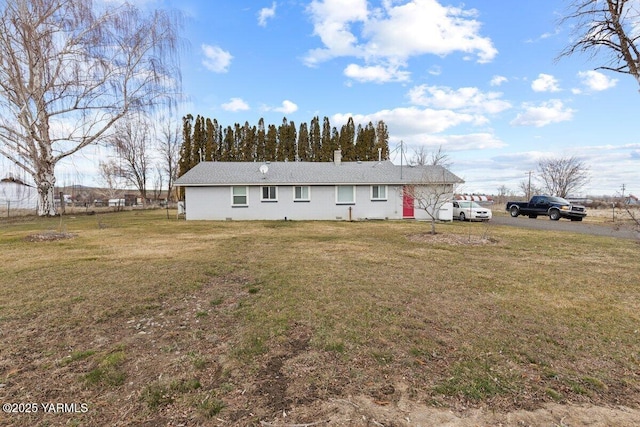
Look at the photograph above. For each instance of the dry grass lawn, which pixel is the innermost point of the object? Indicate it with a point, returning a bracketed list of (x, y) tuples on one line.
[(155, 321)]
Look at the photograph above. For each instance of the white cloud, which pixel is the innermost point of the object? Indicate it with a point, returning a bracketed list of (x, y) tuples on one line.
[(467, 99), (216, 59), (412, 121), (287, 107), (498, 80), (469, 141), (545, 83), (332, 19), (393, 33), (544, 114), (426, 27), (235, 104), (266, 13), (377, 74), (596, 81)]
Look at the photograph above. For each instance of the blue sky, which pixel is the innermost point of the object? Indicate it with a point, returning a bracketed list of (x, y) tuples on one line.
[(479, 78)]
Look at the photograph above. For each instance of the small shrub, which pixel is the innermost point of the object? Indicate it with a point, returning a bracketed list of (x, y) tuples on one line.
[(594, 383), (155, 396), (210, 407), (198, 361), (184, 386), (108, 371), (554, 394)]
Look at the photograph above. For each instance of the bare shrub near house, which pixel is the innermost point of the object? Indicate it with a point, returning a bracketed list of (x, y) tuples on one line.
[(431, 193)]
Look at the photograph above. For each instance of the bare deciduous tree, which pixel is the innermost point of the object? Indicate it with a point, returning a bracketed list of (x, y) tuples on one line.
[(503, 193), (431, 192), (158, 183), (169, 148), (423, 157), (563, 176), (110, 176), (529, 189), (69, 72), (610, 26), (420, 156), (130, 139)]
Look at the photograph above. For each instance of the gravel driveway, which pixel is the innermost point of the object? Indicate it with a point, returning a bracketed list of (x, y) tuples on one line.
[(544, 223)]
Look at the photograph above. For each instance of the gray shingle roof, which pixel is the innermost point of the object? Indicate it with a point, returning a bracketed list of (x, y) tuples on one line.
[(312, 173)]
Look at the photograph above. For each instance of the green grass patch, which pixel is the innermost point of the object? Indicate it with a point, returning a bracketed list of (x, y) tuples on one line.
[(216, 301), (475, 380), (77, 355), (109, 371)]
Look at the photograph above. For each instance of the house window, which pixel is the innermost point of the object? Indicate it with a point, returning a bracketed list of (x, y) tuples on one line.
[(345, 194), (270, 194), (301, 194), (239, 196), (378, 192)]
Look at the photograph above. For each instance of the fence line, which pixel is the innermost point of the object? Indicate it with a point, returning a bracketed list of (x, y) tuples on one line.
[(15, 206)]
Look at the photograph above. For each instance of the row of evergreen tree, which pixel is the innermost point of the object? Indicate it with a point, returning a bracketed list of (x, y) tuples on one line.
[(204, 139)]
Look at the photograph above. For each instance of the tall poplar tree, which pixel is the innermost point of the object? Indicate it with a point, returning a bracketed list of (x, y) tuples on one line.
[(211, 145), (326, 150), (370, 141), (228, 142), (237, 143), (286, 141), (260, 141), (347, 137), (198, 140), (248, 142), (361, 145), (382, 140), (271, 144), (303, 143), (315, 140), (185, 163)]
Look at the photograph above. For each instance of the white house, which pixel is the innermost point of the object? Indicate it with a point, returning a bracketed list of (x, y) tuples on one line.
[(309, 190), (15, 194)]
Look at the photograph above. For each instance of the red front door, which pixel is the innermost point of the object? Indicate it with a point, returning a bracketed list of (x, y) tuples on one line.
[(407, 203)]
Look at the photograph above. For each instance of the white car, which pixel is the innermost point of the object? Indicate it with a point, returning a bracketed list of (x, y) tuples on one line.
[(466, 210)]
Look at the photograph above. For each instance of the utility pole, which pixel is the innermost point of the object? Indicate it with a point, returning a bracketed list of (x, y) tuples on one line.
[(529, 186)]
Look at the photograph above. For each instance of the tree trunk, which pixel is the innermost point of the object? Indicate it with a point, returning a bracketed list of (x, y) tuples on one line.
[(46, 183), (433, 225)]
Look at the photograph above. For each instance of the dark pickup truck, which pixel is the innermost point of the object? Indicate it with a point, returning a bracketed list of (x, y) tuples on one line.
[(553, 207)]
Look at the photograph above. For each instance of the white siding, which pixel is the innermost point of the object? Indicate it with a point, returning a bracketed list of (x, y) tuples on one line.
[(214, 203)]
